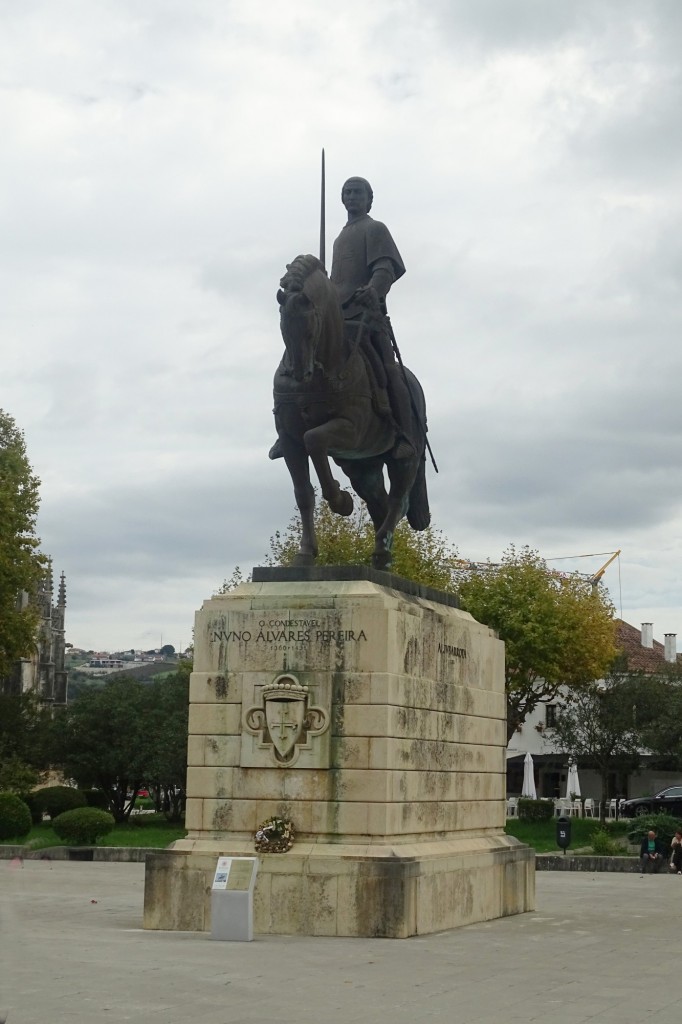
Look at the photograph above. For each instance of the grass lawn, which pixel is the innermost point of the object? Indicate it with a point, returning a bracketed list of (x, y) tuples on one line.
[(146, 830), (154, 830), (541, 835)]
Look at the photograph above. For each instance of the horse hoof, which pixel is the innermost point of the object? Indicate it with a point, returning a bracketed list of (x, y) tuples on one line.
[(301, 559), (382, 560), (342, 504)]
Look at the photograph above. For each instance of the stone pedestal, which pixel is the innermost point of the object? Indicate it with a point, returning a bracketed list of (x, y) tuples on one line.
[(371, 713)]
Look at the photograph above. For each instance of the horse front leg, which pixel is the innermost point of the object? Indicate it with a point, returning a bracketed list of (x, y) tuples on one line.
[(296, 459), (318, 440)]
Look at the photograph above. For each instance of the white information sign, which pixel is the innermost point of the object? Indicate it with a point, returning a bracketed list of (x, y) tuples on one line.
[(232, 898), (222, 873)]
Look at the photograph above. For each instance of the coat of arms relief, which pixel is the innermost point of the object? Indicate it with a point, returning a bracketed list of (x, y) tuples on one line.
[(286, 721)]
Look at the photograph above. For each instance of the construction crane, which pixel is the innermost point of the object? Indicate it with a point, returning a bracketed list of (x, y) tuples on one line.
[(466, 566), (593, 578)]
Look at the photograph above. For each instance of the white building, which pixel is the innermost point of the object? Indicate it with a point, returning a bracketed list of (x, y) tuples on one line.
[(642, 653)]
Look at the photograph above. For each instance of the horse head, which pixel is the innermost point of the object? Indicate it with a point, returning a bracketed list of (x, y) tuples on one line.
[(307, 299)]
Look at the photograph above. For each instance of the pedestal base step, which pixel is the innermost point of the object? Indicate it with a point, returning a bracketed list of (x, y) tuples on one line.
[(335, 889)]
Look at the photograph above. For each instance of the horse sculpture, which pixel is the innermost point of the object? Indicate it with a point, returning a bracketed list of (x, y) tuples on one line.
[(326, 400)]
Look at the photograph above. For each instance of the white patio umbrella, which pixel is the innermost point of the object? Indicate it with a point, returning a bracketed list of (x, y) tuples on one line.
[(572, 781), (528, 778)]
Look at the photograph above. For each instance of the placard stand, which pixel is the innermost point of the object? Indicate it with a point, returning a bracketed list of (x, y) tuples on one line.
[(232, 899)]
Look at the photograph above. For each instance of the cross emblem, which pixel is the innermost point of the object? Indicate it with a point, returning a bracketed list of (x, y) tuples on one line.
[(284, 721)]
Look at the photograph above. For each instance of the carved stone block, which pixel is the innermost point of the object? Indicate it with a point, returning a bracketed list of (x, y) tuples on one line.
[(374, 720)]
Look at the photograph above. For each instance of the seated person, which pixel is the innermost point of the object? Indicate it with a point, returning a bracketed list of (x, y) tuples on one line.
[(676, 853), (651, 853)]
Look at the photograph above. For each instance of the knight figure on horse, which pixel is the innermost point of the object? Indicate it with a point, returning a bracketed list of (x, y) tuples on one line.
[(340, 391)]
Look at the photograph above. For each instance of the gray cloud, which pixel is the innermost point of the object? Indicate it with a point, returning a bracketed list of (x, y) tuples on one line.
[(523, 24), (638, 138)]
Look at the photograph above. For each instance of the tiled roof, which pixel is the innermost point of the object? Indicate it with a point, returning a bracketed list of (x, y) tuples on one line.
[(640, 659)]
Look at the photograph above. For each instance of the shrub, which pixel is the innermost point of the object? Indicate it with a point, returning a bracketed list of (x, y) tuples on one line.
[(535, 810), (54, 800), (155, 820), (83, 826), (664, 825), (96, 798), (15, 817), (604, 845)]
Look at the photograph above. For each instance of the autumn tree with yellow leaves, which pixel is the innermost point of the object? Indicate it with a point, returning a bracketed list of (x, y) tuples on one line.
[(22, 567)]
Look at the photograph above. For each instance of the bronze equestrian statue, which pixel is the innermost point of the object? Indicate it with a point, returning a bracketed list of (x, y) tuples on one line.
[(339, 390)]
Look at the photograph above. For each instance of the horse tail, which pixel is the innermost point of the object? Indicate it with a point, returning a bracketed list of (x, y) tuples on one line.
[(418, 511)]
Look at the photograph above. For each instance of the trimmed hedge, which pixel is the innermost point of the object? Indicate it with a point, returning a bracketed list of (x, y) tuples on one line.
[(15, 817), (54, 800), (83, 826), (535, 810)]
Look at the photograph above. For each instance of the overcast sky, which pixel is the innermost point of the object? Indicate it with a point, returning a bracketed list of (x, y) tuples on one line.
[(161, 166)]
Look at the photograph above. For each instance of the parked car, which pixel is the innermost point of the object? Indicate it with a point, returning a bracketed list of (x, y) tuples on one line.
[(668, 801)]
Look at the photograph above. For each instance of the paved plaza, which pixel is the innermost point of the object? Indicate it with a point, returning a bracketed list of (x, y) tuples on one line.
[(600, 948)]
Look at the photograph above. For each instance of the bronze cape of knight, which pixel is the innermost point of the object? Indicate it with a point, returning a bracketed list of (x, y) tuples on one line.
[(339, 390)]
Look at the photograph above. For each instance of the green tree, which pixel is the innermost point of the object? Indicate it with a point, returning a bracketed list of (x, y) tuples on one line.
[(22, 567), (557, 630), (426, 557), (17, 777), (662, 732), (168, 727), (235, 579), (24, 742), (604, 724), (24, 731), (104, 741)]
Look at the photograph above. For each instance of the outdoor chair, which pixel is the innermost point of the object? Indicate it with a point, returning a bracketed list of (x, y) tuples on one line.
[(588, 808)]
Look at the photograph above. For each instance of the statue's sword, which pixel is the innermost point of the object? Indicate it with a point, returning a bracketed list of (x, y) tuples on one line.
[(322, 217)]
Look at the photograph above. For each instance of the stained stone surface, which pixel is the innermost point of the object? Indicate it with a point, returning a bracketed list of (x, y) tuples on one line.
[(373, 718)]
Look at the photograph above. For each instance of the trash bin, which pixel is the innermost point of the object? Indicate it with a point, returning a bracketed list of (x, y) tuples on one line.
[(563, 833)]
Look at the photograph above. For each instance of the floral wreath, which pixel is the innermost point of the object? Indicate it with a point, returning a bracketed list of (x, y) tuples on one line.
[(275, 835)]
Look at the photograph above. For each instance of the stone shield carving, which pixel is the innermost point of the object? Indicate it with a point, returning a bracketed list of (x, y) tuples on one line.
[(285, 720)]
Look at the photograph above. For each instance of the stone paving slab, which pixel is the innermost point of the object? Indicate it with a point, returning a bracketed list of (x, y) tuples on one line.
[(602, 948)]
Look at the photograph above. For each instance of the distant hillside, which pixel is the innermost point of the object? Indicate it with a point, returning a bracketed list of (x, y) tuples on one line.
[(144, 670), (80, 682)]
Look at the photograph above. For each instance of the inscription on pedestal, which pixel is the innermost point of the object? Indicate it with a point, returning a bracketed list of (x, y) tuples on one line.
[(285, 631), (321, 640)]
